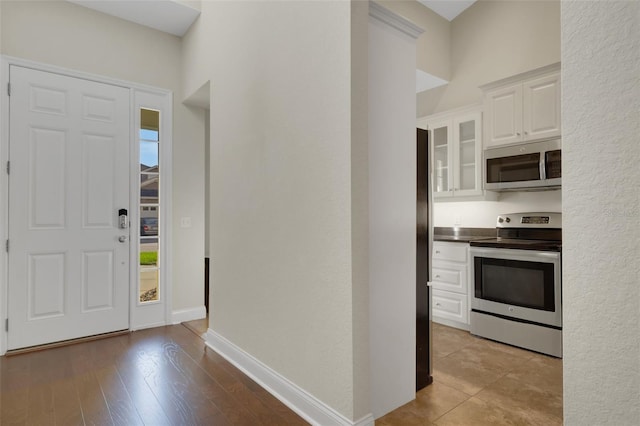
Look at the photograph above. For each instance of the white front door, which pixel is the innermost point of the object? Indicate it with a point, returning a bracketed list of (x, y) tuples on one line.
[(69, 176)]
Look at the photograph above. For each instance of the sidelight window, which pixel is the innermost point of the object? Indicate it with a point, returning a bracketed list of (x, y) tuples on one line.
[(149, 230)]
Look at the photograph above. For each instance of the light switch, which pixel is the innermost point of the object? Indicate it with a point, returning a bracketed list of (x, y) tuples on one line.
[(185, 222)]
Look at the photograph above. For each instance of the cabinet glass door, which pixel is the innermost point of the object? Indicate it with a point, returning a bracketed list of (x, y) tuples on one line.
[(441, 159), (467, 155)]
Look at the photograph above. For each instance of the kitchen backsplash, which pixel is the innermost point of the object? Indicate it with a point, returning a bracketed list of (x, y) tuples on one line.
[(483, 214)]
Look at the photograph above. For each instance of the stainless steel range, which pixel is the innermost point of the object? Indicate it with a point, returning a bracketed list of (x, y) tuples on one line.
[(517, 290)]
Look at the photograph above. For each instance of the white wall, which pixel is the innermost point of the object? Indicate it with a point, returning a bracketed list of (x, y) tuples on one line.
[(492, 40), (601, 203), (392, 217), (360, 207), (66, 35), (483, 214), (433, 48), (281, 176)]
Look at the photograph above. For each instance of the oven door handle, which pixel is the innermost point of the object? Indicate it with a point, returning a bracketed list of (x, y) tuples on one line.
[(514, 254)]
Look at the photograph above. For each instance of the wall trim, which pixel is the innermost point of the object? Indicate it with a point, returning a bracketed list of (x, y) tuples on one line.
[(304, 404), (382, 14), (190, 314), (522, 76)]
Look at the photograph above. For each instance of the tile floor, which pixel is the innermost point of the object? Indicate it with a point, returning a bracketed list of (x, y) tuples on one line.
[(479, 382)]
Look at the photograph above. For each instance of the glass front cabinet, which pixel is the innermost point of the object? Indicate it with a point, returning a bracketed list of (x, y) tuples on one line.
[(456, 153)]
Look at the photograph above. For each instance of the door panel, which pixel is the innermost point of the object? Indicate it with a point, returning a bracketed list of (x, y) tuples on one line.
[(69, 154), (46, 285)]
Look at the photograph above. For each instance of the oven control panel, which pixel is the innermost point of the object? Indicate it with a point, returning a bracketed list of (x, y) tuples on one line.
[(537, 220), (533, 220)]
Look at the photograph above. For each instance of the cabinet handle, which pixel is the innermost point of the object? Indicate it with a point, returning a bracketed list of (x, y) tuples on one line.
[(437, 251), (438, 304), (526, 133), (517, 133), (437, 276)]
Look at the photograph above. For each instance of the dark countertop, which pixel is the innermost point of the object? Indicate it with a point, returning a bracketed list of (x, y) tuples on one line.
[(462, 235)]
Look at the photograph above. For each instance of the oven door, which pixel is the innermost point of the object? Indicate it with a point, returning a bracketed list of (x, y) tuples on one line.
[(517, 284)]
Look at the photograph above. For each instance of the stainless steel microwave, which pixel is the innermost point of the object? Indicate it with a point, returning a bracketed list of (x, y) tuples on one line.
[(528, 166)]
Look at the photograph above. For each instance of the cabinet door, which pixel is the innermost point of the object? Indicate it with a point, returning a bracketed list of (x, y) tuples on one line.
[(542, 107), (503, 115), (467, 159), (451, 252), (450, 276), (442, 159), (450, 306)]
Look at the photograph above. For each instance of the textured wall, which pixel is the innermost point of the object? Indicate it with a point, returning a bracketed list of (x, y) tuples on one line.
[(601, 203)]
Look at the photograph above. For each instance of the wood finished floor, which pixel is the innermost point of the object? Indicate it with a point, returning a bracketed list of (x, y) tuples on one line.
[(167, 376), (160, 376)]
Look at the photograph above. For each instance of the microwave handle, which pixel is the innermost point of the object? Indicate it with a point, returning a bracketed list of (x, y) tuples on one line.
[(543, 171)]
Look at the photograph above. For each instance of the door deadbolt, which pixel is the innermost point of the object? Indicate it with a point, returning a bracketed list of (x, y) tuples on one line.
[(123, 219)]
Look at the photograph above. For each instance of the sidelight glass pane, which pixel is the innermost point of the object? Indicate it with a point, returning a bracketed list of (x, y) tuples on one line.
[(149, 188), (149, 234), (149, 135), (149, 288), (149, 156)]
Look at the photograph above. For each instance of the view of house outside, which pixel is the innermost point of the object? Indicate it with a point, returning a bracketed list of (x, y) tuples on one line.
[(149, 139)]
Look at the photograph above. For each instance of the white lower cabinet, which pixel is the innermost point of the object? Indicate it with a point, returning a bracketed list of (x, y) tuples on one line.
[(450, 294), (450, 306)]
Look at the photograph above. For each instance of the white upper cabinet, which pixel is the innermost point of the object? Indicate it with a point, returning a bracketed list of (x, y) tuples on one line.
[(467, 156), (456, 152), (503, 122), (441, 135), (541, 113), (523, 108)]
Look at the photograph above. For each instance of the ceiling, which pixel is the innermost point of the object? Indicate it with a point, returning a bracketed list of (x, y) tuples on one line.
[(173, 17), (448, 9), (176, 16)]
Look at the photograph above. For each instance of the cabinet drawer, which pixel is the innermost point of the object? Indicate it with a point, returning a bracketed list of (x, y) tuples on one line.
[(450, 277), (455, 252), (451, 306)]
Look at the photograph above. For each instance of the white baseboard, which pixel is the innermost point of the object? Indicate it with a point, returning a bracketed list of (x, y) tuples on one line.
[(190, 314), (451, 323), (304, 404)]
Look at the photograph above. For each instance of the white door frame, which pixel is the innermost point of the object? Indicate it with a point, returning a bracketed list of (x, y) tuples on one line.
[(140, 316)]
